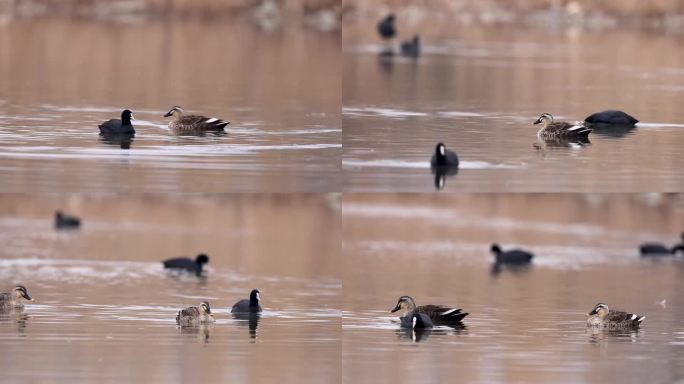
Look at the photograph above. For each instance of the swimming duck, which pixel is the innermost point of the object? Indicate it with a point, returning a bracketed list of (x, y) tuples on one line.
[(436, 313), (63, 221), (386, 27), (443, 157), (193, 124), (12, 300), (187, 264), (118, 127), (560, 129), (657, 249), (603, 317), (416, 321), (248, 305), (195, 315), (611, 117), (514, 256), (411, 47)]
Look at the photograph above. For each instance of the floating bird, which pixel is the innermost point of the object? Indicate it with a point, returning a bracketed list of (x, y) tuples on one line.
[(12, 300), (657, 249), (443, 157), (411, 47), (248, 305), (559, 130), (187, 264), (437, 313), (63, 221), (416, 321), (386, 27), (611, 117), (602, 316), (513, 256), (193, 124), (195, 315), (119, 127)]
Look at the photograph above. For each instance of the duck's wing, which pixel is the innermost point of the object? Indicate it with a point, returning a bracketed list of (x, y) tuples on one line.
[(563, 128), (624, 317), (196, 122), (441, 312), (190, 312)]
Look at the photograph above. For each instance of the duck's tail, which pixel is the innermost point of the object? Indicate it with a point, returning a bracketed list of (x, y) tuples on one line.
[(453, 315)]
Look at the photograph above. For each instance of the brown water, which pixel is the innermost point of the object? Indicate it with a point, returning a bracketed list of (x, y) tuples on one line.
[(61, 78), (104, 308), (525, 325), (479, 89)]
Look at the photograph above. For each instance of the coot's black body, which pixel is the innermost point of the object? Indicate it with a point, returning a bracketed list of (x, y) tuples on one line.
[(611, 117), (118, 127), (187, 264), (513, 256), (63, 221), (250, 305), (386, 27)]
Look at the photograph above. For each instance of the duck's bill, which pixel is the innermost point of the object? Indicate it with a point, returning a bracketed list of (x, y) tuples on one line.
[(395, 309), (132, 118), (27, 297), (168, 114)]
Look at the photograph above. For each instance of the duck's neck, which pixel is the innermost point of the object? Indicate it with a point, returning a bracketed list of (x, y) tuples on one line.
[(544, 123), (410, 307)]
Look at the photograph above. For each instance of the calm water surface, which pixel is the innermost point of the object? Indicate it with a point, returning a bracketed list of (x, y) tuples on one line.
[(479, 89), (60, 79), (525, 325), (105, 309)]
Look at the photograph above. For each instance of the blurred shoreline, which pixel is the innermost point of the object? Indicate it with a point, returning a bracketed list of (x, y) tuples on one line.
[(321, 15), (661, 16)]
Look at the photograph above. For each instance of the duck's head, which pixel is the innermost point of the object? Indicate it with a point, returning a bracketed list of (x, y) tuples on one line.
[(545, 118), (495, 248), (202, 259), (404, 302), (254, 297), (600, 309), (205, 309), (20, 292), (127, 115), (175, 112)]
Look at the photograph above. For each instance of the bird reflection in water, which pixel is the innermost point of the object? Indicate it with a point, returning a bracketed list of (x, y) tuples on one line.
[(200, 331), (497, 268), (599, 337), (249, 319), (544, 146), (15, 318), (441, 174), (612, 131), (123, 141), (419, 335)]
